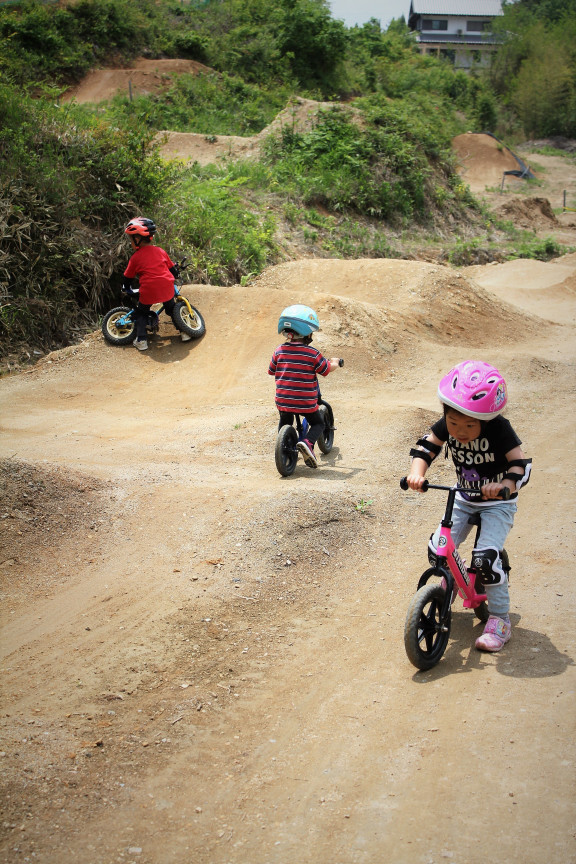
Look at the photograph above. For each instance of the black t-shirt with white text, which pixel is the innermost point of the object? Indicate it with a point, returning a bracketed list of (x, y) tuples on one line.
[(483, 460)]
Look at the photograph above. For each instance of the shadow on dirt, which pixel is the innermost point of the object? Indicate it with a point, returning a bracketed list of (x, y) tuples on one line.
[(530, 654), (163, 349)]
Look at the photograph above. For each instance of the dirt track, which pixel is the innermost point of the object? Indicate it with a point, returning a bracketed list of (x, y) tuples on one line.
[(203, 662)]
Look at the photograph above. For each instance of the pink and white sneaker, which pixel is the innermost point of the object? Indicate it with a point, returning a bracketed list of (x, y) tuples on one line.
[(496, 633), (307, 451)]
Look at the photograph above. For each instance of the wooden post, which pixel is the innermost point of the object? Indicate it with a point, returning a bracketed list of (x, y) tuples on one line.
[(130, 88)]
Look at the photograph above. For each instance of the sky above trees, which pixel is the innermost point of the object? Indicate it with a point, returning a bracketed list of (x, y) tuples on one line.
[(359, 11)]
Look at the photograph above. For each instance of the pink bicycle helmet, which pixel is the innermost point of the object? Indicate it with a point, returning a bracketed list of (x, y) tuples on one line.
[(474, 388)]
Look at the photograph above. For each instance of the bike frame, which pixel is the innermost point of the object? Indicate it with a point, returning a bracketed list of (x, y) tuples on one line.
[(128, 317), (302, 423), (449, 558)]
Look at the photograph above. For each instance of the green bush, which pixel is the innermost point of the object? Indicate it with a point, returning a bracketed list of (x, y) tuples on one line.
[(389, 167), (68, 186), (209, 216), (538, 249), (206, 104), (40, 41), (534, 72)]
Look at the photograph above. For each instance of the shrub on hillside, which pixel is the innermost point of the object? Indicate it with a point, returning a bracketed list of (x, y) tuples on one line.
[(67, 188), (388, 166)]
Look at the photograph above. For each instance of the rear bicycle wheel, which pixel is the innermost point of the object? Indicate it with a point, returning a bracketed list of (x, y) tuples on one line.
[(326, 439), (119, 326), (426, 633), (286, 454)]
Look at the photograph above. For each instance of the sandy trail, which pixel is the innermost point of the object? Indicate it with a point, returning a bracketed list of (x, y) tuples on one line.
[(175, 690)]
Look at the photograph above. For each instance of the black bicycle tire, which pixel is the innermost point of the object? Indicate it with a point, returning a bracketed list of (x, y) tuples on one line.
[(326, 439), (108, 334), (181, 319), (286, 454), (421, 627)]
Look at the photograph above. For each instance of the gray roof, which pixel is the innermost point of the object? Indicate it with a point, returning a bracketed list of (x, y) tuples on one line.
[(480, 8)]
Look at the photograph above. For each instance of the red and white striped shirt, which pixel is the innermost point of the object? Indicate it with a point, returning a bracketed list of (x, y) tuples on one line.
[(295, 367)]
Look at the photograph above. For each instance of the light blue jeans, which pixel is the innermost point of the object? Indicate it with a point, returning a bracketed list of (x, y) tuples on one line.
[(497, 520)]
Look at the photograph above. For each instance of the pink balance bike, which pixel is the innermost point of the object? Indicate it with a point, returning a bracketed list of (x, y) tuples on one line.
[(429, 616)]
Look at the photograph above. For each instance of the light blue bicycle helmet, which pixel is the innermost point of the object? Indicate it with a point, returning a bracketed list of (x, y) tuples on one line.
[(300, 319)]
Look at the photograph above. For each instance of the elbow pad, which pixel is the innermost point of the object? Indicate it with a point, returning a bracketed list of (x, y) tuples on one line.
[(519, 479), (425, 450)]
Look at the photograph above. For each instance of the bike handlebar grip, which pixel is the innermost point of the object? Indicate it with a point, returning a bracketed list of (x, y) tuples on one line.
[(341, 362), (404, 485), (504, 494)]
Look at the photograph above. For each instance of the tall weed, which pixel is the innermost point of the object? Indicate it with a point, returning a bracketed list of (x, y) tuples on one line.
[(388, 167)]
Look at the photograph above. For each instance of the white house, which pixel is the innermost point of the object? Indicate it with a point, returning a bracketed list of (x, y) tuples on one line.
[(460, 30)]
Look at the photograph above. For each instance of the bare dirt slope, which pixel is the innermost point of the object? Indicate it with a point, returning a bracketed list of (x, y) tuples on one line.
[(535, 206), (204, 662), (144, 77), (206, 149)]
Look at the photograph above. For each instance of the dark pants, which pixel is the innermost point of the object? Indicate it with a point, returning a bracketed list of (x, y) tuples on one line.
[(315, 420), (141, 315)]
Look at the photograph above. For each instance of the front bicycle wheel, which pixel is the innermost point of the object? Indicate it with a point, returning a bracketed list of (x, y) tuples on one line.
[(286, 454), (119, 326), (426, 633), (326, 439), (191, 324)]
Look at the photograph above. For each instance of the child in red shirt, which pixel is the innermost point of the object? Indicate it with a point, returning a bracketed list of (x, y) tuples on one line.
[(155, 272)]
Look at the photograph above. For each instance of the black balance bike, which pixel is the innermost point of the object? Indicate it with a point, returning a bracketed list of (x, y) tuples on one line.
[(286, 452)]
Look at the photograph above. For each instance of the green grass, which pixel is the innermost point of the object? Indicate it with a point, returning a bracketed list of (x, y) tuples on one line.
[(208, 104)]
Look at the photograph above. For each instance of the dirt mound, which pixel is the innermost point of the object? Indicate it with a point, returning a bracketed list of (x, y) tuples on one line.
[(144, 77), (42, 508), (206, 149), (482, 161), (369, 303), (299, 116), (544, 289), (531, 213)]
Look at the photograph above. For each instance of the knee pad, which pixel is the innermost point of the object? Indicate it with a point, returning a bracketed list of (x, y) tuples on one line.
[(488, 565)]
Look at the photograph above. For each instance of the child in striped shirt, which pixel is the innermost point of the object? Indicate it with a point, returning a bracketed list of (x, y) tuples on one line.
[(295, 365)]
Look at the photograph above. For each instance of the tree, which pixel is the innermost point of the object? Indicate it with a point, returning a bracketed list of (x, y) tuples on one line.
[(313, 42), (543, 93)]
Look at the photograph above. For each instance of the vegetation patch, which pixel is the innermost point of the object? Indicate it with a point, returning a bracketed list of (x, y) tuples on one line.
[(71, 177)]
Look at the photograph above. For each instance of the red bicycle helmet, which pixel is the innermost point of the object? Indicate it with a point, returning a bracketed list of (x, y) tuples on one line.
[(142, 226)]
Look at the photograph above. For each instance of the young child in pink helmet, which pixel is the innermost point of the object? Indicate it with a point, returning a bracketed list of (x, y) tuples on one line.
[(487, 456)]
